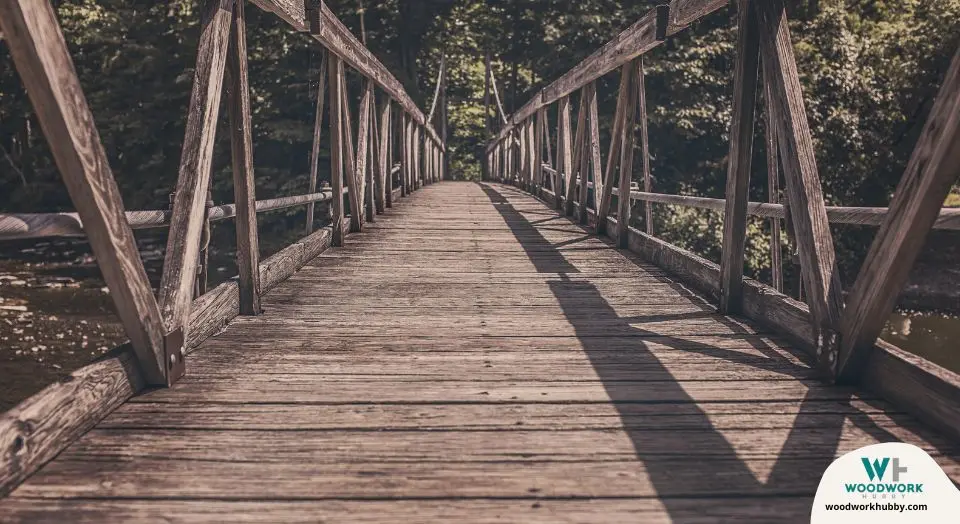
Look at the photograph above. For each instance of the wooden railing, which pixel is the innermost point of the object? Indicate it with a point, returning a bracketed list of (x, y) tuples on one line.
[(163, 329), (842, 337)]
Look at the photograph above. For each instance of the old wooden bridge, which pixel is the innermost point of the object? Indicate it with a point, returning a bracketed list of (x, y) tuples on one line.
[(508, 350)]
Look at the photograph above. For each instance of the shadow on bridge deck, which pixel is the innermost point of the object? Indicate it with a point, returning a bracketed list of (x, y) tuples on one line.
[(474, 357)]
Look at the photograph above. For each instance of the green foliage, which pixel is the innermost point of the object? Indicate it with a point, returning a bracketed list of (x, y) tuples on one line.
[(869, 72)]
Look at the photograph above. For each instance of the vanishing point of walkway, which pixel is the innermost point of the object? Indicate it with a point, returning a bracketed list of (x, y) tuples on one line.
[(472, 356)]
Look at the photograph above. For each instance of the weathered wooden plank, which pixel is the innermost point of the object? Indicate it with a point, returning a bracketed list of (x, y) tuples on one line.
[(363, 167), (931, 172), (821, 278), (336, 148), (627, 138), (645, 150), (43, 61), (739, 160), (183, 244), (773, 190), (533, 510), (244, 187), (37, 429), (616, 136), (354, 190), (317, 131), (639, 38)]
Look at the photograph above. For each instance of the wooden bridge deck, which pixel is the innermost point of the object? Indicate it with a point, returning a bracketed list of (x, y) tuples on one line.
[(471, 357)]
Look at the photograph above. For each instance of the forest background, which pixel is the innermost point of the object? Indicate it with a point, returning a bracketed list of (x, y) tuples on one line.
[(869, 70)]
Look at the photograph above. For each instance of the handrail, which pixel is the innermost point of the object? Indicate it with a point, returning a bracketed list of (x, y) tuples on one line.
[(20, 226), (641, 37), (838, 328), (948, 219)]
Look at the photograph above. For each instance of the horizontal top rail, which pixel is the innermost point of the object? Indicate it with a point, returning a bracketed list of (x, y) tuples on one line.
[(18, 226), (949, 218), (641, 37), (340, 41)]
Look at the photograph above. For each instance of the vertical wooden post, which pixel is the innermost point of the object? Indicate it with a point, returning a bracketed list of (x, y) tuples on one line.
[(808, 212), (317, 128), (362, 155), (595, 161), (384, 196), (628, 133), (565, 154), (645, 146), (404, 159), (773, 191), (40, 53), (538, 149), (575, 190), (606, 193), (183, 241), (336, 147), (740, 156), (583, 151), (354, 186), (241, 147), (933, 168), (534, 157)]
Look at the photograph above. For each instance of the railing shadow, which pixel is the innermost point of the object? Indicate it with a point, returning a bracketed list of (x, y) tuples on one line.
[(666, 452)]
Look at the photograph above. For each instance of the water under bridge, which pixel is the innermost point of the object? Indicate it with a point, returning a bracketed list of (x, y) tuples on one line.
[(504, 350)]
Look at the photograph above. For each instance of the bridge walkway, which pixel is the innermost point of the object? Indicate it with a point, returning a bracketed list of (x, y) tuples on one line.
[(473, 356)]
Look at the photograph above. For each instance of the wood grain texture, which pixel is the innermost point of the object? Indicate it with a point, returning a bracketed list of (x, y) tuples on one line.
[(616, 137), (503, 354), (565, 151), (354, 191), (740, 157), (639, 38), (183, 243), (363, 166), (932, 170), (821, 278), (244, 186), (627, 139), (773, 190), (317, 132), (43, 61), (336, 148), (578, 183)]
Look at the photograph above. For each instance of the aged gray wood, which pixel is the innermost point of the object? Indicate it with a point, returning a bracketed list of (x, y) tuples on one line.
[(350, 159), (577, 189), (336, 148), (931, 172), (183, 244), (241, 147), (43, 61), (565, 151), (317, 131), (363, 166), (645, 149), (739, 159), (773, 190), (925, 390), (596, 165), (639, 38), (502, 353), (616, 136), (627, 138), (818, 266)]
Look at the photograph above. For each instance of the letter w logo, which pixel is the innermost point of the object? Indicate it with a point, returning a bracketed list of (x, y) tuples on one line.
[(877, 469)]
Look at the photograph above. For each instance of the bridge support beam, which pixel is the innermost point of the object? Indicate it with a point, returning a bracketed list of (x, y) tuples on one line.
[(336, 147), (739, 159), (627, 130), (241, 147), (933, 168), (808, 212)]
